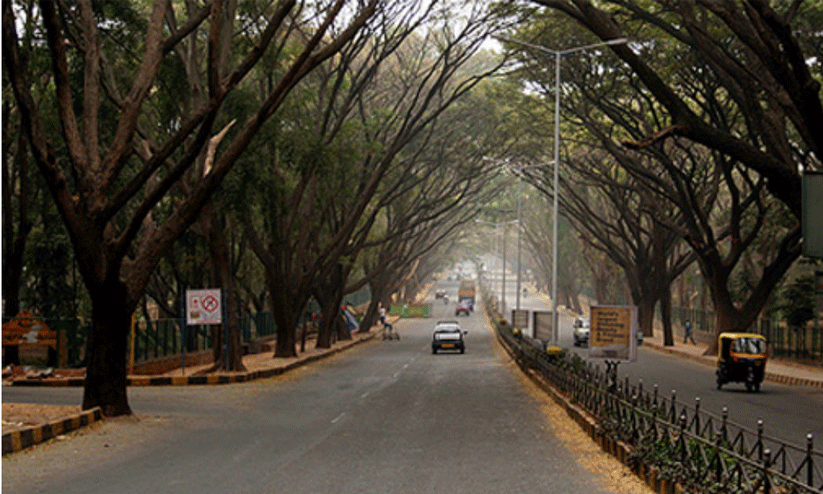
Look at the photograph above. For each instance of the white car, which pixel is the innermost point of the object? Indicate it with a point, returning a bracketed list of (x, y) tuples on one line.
[(448, 335), (582, 327)]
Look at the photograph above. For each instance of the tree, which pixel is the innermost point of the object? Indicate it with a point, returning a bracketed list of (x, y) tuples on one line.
[(321, 193), (709, 198), (709, 98), (799, 304), (115, 175), (756, 54)]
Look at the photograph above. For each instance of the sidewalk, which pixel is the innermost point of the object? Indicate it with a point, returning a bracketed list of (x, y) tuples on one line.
[(777, 371), (258, 366)]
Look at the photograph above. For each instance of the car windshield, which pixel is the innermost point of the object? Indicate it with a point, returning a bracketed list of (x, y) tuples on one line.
[(749, 345), (447, 329)]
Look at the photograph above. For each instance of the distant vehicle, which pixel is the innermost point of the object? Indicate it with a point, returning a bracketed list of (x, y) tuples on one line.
[(448, 335), (463, 307), (466, 290), (582, 328), (440, 294)]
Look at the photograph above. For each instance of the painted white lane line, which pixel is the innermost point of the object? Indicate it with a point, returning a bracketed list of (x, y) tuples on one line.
[(336, 420)]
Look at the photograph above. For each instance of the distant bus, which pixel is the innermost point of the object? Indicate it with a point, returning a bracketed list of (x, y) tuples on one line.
[(466, 290)]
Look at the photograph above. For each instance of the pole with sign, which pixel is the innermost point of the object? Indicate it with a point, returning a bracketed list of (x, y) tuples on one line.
[(613, 337), (613, 333), (203, 307), (225, 332), (183, 332), (818, 292)]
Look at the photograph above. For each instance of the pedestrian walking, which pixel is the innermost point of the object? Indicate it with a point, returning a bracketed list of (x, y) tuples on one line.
[(382, 315), (689, 333)]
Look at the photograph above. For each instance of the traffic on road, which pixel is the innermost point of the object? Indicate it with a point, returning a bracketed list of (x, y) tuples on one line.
[(789, 413), (384, 417)]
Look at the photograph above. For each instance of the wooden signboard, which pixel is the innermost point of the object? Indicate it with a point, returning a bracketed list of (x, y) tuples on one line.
[(28, 330)]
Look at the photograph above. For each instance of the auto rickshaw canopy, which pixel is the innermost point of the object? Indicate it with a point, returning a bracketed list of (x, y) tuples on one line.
[(741, 345)]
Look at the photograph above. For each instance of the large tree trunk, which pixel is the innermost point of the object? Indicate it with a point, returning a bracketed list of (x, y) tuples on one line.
[(381, 288), (105, 385), (645, 315), (666, 314), (221, 259), (98, 200), (342, 332), (286, 308), (331, 314), (727, 316), (14, 240), (330, 297)]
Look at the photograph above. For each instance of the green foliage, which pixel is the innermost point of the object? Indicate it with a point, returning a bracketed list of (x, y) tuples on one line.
[(798, 306)]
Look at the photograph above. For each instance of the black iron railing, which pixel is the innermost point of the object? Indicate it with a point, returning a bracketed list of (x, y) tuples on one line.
[(701, 451)]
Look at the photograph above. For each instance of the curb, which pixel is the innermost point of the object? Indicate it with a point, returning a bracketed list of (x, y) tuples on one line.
[(210, 379), (19, 440), (617, 449), (769, 376)]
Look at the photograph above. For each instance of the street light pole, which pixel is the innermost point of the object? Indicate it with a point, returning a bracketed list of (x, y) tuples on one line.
[(520, 225), (519, 232), (555, 317), (557, 54), (503, 248)]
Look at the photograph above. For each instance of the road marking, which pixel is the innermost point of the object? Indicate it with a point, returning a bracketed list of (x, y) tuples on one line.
[(336, 420), (364, 395)]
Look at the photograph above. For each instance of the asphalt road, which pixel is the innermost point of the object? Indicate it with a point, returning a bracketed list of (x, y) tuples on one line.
[(788, 412), (385, 417)]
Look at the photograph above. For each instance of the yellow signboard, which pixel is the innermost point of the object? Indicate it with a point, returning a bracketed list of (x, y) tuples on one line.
[(613, 333)]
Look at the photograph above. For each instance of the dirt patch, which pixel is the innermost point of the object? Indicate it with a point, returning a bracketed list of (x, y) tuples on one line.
[(18, 416)]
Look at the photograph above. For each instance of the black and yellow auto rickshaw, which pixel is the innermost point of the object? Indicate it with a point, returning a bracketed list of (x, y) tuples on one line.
[(741, 358)]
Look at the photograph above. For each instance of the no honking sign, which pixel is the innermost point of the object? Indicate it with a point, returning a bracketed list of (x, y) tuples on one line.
[(203, 307)]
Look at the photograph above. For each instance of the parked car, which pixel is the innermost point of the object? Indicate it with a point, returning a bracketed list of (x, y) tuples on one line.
[(463, 307), (448, 335), (440, 294), (582, 328)]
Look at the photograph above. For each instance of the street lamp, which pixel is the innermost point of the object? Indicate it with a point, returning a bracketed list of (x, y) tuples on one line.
[(503, 246), (557, 54), (519, 170)]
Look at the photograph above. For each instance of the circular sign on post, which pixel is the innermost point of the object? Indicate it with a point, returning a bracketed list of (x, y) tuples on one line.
[(203, 307)]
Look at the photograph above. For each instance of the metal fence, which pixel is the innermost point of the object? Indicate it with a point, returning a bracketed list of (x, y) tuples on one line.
[(805, 343), (162, 337), (701, 451)]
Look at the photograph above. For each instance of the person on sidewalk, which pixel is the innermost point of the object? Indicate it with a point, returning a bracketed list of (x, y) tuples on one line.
[(689, 333), (382, 315)]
